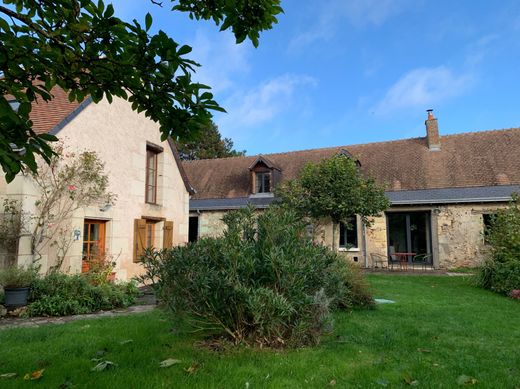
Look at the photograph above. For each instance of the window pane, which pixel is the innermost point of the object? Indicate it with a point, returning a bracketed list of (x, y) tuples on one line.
[(342, 231), (94, 232), (348, 236), (267, 183), (258, 182), (85, 231), (150, 194), (352, 236), (151, 176)]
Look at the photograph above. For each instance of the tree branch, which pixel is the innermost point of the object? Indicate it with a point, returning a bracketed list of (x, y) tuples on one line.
[(26, 20)]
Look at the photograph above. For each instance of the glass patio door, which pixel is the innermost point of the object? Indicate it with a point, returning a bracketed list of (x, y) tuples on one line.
[(408, 232)]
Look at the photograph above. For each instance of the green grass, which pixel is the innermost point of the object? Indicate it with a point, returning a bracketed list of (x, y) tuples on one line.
[(438, 329)]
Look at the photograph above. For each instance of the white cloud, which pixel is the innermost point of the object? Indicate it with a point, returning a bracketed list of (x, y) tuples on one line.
[(423, 87), (358, 13), (263, 103), (221, 59), (478, 50)]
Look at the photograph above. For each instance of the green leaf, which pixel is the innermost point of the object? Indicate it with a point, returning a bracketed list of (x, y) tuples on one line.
[(109, 11), (148, 21), (169, 362), (184, 50), (4, 25), (48, 137)]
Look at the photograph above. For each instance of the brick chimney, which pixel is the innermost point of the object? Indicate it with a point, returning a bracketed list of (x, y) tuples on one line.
[(432, 131)]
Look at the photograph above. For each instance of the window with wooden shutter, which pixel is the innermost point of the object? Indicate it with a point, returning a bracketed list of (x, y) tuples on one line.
[(139, 238), (168, 234)]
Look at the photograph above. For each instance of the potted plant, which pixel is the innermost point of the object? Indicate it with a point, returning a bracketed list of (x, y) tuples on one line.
[(16, 282)]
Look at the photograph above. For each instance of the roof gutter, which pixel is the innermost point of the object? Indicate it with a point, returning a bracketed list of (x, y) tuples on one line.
[(453, 201)]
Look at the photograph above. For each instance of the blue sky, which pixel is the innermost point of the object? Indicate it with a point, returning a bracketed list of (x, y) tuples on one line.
[(340, 72)]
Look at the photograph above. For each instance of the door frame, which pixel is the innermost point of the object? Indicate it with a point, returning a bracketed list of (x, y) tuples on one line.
[(432, 249)]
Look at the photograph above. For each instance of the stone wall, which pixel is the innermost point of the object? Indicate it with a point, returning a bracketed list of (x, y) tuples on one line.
[(457, 234), (460, 234), (211, 224), (119, 136)]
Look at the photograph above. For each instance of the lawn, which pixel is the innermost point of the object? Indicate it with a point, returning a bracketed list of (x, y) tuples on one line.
[(439, 329)]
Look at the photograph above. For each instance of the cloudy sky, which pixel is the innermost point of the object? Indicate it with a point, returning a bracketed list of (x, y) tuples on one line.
[(340, 72)]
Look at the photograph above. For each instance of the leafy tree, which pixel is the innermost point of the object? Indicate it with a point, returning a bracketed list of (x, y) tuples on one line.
[(501, 270), (81, 47), (335, 189), (207, 144)]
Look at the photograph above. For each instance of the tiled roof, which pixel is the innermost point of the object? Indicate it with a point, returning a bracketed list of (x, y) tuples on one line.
[(52, 116), (480, 194), (47, 115), (477, 159)]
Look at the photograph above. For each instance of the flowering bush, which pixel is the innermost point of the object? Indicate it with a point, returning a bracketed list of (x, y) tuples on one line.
[(71, 181)]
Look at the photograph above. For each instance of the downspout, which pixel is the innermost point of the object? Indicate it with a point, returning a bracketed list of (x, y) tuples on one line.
[(365, 254)]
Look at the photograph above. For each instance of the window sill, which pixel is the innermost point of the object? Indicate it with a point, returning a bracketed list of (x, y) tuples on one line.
[(262, 195), (351, 250)]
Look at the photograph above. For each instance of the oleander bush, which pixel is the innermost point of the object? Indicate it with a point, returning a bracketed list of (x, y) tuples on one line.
[(59, 294), (501, 270), (263, 282)]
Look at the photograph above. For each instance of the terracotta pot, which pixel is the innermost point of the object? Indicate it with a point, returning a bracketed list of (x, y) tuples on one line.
[(85, 266)]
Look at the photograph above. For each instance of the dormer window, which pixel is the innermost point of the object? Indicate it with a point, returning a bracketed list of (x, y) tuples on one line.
[(263, 182), (264, 176)]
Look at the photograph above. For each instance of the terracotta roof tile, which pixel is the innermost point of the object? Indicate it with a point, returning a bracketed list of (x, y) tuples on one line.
[(47, 115), (484, 158)]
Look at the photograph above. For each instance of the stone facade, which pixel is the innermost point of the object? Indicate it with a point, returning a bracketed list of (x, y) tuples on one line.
[(211, 224), (119, 136), (457, 238)]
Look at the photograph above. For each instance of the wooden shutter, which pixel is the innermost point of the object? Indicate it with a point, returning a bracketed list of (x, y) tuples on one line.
[(168, 234), (139, 238)]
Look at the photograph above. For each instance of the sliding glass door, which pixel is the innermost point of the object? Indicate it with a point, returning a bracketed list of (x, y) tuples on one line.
[(408, 232)]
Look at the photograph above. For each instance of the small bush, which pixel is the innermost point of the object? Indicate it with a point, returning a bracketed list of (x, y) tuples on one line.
[(263, 282), (60, 294), (501, 271), (18, 276)]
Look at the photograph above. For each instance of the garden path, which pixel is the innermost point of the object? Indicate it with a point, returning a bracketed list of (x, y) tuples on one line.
[(6, 323)]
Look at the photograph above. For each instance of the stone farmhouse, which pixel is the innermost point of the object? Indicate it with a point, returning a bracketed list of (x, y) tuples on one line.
[(442, 190), (152, 189)]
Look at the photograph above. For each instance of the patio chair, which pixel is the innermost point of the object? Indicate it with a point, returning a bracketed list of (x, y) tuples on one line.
[(379, 260), (424, 260)]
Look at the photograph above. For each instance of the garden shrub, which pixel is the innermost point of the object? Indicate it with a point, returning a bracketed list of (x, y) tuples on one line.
[(263, 282), (59, 294), (501, 271)]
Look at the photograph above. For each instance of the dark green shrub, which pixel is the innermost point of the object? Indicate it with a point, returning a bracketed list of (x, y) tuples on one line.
[(501, 271), (263, 282), (59, 294)]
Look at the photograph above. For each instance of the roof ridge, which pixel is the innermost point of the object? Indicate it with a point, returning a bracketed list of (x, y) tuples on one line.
[(356, 145), (480, 132)]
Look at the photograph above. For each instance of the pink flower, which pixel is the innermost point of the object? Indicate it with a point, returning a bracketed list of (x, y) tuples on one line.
[(72, 187), (515, 294)]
